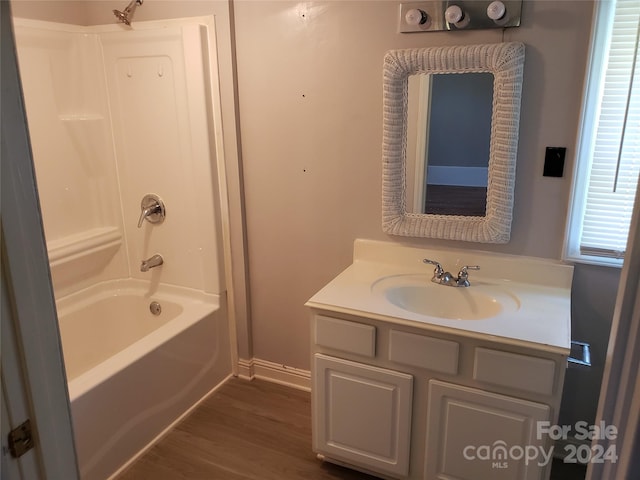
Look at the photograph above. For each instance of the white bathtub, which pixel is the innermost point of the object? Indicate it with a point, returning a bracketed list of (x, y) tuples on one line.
[(132, 374)]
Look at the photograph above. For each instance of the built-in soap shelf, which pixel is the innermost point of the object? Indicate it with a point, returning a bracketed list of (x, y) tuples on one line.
[(78, 258), (82, 244)]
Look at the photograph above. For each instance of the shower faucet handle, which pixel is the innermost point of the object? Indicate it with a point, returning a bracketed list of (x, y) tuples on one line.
[(152, 209), (147, 212)]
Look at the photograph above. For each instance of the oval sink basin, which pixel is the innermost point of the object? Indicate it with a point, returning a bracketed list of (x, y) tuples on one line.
[(424, 297)]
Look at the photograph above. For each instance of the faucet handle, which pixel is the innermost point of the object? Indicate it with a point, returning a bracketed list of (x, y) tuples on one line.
[(463, 274), (152, 209), (438, 270), (463, 270), (146, 212)]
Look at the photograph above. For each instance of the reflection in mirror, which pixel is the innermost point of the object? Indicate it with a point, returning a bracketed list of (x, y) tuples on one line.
[(448, 161), (408, 185)]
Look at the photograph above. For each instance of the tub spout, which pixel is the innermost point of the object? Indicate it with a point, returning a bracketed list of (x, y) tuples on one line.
[(154, 261)]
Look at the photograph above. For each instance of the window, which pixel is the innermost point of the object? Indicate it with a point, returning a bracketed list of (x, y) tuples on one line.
[(608, 162)]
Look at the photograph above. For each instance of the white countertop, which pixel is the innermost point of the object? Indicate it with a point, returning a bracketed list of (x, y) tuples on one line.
[(540, 318)]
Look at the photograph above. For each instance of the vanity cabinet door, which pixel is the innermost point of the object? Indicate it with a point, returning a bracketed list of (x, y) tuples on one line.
[(474, 434), (362, 415)]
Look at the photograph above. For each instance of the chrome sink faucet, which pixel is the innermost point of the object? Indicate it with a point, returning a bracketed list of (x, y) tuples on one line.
[(154, 261), (446, 278)]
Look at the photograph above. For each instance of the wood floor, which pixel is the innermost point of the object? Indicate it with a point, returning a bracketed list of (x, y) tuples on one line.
[(454, 200), (251, 431), (246, 430)]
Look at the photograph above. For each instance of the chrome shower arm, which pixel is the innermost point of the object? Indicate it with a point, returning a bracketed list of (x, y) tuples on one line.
[(123, 16)]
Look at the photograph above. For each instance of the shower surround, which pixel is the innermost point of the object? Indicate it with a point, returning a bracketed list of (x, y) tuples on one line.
[(115, 113)]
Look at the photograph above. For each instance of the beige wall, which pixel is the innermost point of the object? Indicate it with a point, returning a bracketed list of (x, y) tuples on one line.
[(309, 78), (62, 11), (310, 93)]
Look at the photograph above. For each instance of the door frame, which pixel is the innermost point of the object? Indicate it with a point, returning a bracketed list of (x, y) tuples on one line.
[(619, 404), (28, 281)]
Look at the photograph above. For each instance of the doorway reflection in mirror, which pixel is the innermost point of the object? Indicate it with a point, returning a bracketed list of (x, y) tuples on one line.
[(448, 136)]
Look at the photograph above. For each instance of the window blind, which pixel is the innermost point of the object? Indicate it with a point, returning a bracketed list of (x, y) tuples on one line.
[(615, 156)]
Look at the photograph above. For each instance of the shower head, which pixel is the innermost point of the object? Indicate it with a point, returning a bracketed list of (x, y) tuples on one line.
[(123, 16)]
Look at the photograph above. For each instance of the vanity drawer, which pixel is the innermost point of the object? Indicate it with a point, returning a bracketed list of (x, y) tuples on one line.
[(424, 352), (346, 336), (521, 372)]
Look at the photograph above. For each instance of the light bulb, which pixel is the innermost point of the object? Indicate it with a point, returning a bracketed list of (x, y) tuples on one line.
[(416, 17), (453, 14), (496, 10)]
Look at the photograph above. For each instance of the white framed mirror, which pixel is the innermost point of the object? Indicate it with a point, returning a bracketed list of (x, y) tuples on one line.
[(450, 139)]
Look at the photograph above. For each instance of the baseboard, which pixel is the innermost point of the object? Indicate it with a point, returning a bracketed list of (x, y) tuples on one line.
[(245, 368), (274, 372)]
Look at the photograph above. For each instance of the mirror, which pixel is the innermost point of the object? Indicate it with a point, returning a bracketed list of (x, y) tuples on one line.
[(450, 137), (448, 143)]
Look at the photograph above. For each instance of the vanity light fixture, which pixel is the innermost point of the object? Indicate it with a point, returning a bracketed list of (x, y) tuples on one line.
[(496, 10), (415, 17), (455, 15), (452, 15)]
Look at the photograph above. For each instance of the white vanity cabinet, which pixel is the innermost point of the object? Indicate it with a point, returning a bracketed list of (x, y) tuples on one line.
[(470, 433), (410, 402), (362, 414)]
